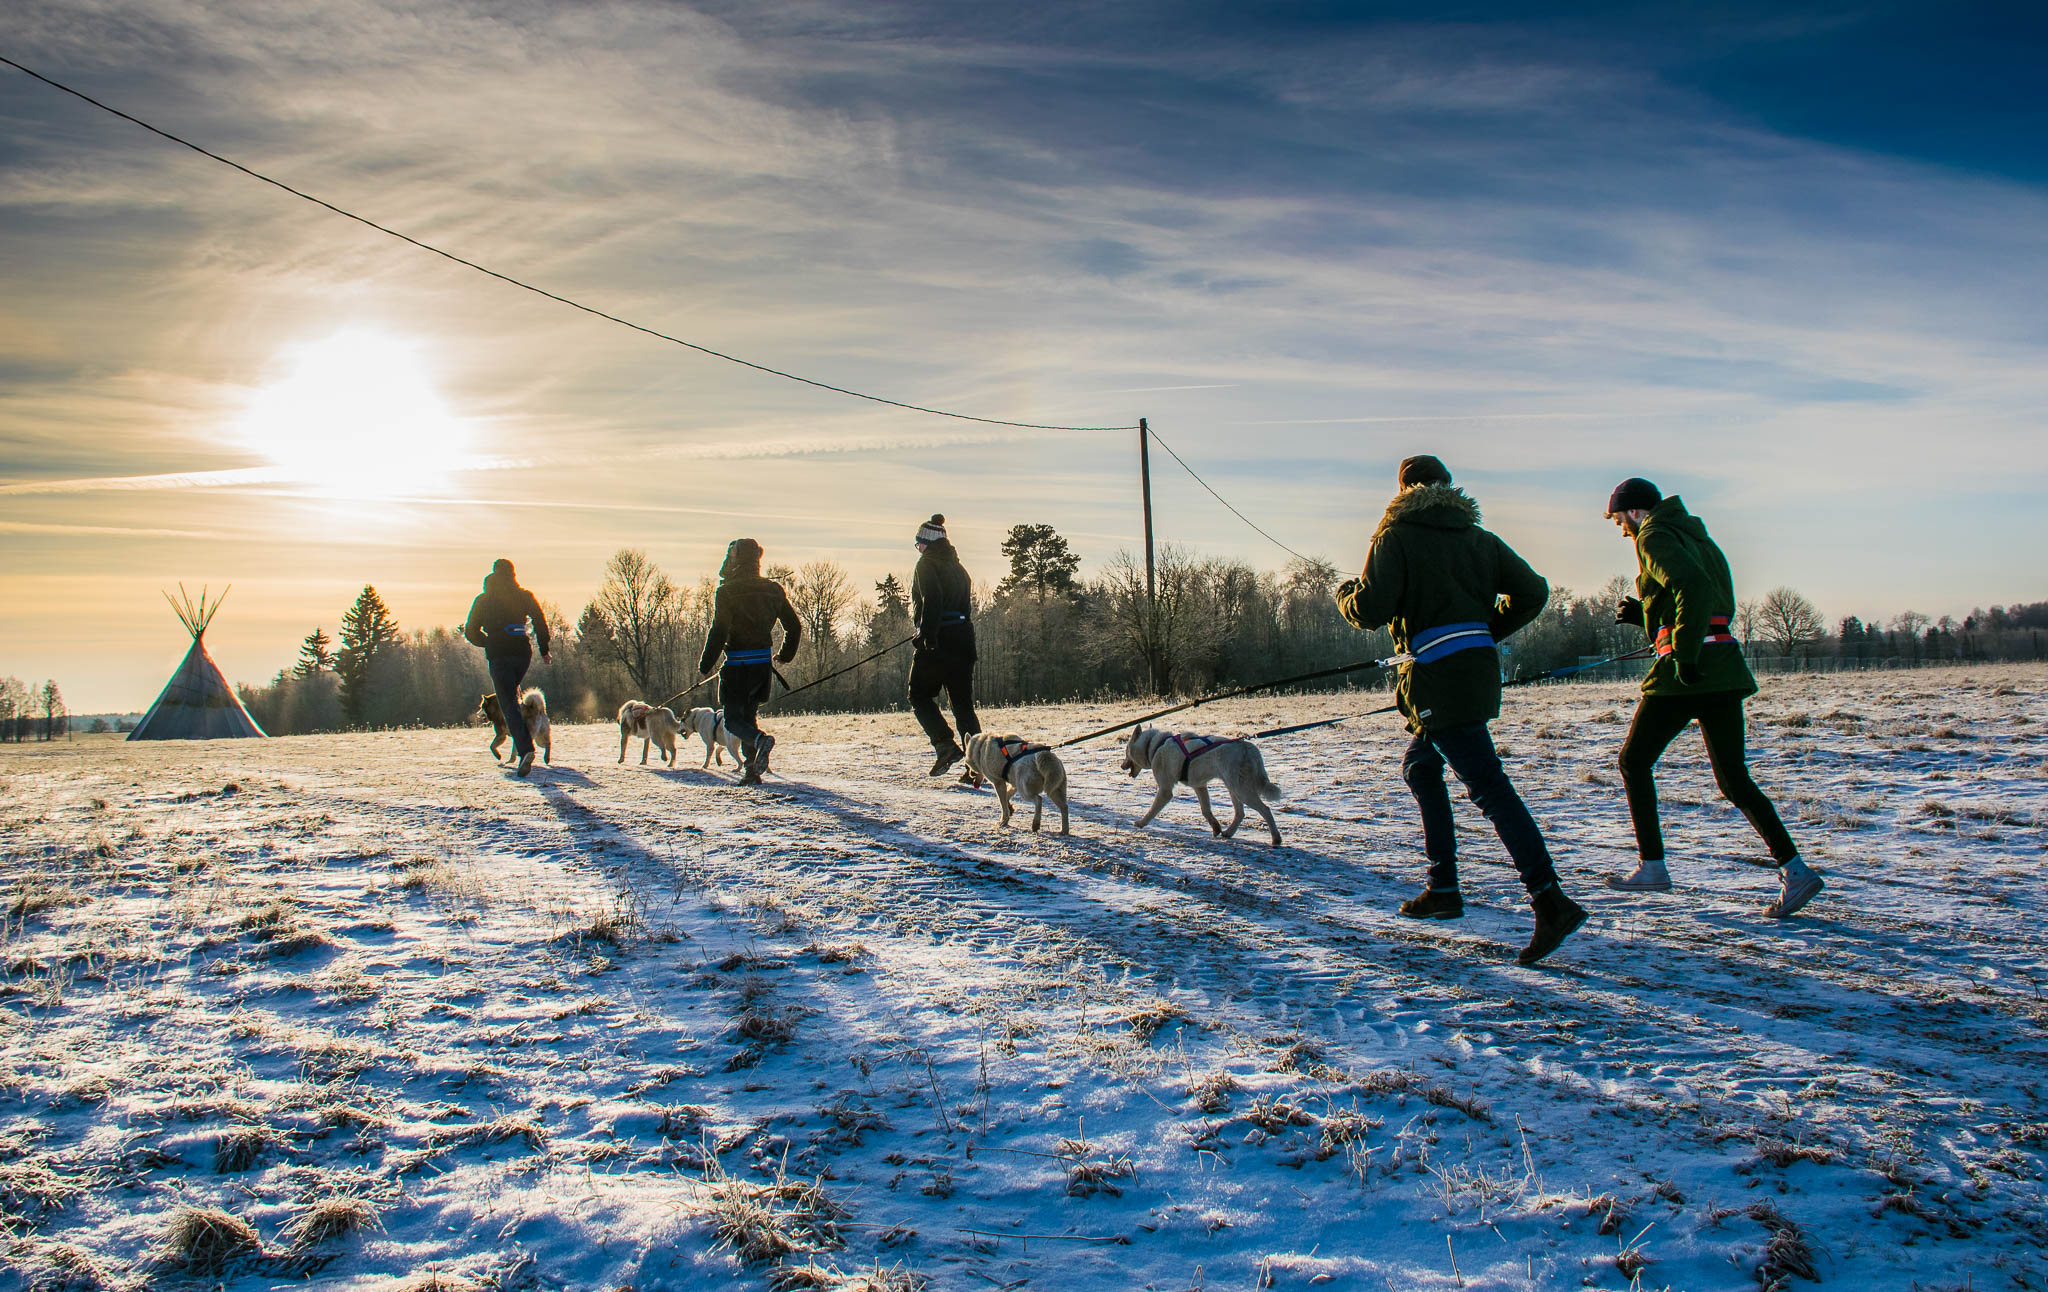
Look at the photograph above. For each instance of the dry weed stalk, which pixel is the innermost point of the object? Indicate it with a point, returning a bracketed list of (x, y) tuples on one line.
[(203, 1240), (1212, 1093), (327, 1219), (749, 1222), (241, 1147)]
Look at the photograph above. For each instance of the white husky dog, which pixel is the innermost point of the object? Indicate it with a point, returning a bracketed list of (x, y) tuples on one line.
[(1011, 763), (1183, 757), (707, 725), (639, 718)]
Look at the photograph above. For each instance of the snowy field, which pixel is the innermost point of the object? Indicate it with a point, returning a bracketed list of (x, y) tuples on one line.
[(369, 1011)]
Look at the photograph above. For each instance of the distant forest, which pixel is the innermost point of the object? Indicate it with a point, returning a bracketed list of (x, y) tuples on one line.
[(1045, 635)]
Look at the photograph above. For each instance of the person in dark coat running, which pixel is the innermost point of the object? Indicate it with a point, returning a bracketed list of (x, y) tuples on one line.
[(1449, 591), (942, 655), (1686, 600), (498, 621), (743, 617)]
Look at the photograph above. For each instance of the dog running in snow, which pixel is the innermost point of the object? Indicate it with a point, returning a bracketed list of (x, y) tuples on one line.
[(1183, 757), (709, 726), (533, 706), (659, 726), (1015, 765)]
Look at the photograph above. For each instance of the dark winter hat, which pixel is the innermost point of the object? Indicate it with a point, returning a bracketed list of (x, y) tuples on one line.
[(502, 568), (932, 530), (742, 556), (1424, 469), (1632, 493)]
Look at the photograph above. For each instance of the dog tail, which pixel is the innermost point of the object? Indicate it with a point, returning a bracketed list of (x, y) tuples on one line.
[(534, 698), (1267, 789)]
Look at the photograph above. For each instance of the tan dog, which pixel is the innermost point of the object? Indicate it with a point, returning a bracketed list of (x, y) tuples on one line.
[(1185, 758), (658, 726), (533, 706), (1013, 763), (708, 726)]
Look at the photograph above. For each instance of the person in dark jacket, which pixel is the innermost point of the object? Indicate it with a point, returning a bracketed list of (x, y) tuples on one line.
[(1685, 598), (942, 656), (1449, 591), (743, 617), (498, 622)]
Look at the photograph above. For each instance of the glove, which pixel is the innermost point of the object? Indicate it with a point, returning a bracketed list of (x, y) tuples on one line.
[(1688, 674), (1630, 611), (1346, 588)]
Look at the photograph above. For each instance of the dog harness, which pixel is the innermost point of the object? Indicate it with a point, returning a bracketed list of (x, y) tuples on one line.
[(1188, 756), (1717, 635), (1023, 749), (1432, 644), (733, 657)]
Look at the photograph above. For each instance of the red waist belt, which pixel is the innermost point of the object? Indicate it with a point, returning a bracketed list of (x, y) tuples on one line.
[(1717, 635)]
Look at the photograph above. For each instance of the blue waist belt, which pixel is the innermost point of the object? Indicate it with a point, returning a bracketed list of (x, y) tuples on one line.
[(746, 657), (518, 629), (1432, 644), (952, 617)]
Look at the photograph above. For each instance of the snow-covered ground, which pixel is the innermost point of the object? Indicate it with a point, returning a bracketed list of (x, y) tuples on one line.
[(401, 1016)]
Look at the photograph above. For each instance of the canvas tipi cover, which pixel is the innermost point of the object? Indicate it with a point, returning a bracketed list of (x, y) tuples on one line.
[(197, 703)]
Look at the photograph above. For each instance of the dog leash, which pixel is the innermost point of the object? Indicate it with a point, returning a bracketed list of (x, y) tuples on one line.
[(710, 677), (1390, 662), (789, 690)]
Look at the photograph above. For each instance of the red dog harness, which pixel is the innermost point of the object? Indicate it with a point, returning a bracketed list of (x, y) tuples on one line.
[(1717, 635), (1188, 756)]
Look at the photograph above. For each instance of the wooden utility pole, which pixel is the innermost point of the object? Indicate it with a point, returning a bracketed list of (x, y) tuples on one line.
[(1145, 484)]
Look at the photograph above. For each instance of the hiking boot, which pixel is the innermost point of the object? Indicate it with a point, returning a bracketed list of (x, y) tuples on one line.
[(757, 760), (943, 760), (971, 779), (526, 762), (1557, 916), (1649, 877), (1435, 904), (1798, 886)]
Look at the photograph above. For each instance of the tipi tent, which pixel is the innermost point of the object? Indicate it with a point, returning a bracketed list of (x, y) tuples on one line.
[(197, 703)]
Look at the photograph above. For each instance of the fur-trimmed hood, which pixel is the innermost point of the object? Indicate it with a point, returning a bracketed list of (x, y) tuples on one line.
[(1438, 506)]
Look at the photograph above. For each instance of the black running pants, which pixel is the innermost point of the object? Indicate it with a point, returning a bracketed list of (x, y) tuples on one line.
[(507, 672), (932, 671), (1658, 720), (742, 690)]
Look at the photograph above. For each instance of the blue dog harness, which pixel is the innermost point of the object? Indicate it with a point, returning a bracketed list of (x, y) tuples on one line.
[(1433, 644)]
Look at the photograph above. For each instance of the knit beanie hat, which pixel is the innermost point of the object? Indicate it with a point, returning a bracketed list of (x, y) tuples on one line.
[(1424, 469), (742, 556), (1632, 493), (932, 530)]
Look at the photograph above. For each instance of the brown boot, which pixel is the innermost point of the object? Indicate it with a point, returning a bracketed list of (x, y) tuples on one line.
[(1557, 916)]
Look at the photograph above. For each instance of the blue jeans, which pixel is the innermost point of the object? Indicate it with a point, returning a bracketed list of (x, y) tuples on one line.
[(506, 674), (1469, 752)]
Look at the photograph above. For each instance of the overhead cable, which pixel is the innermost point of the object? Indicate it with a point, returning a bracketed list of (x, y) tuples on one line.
[(541, 291), (1225, 501)]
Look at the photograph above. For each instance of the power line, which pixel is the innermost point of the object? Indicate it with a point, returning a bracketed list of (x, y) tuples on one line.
[(1225, 501), (540, 291)]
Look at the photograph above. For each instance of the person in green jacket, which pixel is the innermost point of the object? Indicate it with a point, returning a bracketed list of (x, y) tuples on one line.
[(1449, 591), (1686, 601)]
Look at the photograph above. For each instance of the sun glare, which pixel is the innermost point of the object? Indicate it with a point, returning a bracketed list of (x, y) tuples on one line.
[(356, 415)]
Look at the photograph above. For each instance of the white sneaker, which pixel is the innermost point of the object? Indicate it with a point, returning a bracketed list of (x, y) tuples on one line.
[(1799, 885), (1649, 877)]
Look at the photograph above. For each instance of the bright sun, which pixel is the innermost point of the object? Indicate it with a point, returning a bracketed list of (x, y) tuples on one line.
[(356, 415)]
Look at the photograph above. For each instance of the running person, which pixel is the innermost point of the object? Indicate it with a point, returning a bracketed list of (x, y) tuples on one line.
[(1450, 590), (498, 620), (942, 655), (743, 617), (1686, 600)]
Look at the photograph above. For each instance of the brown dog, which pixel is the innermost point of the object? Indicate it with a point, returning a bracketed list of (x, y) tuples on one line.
[(533, 706)]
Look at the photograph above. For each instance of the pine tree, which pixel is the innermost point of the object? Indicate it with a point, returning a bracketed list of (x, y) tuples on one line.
[(366, 629), (1040, 561), (314, 654)]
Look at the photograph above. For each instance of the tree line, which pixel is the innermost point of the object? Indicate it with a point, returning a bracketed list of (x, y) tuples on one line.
[(1045, 635), (30, 711)]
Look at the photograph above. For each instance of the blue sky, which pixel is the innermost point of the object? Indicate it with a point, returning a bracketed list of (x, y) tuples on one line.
[(1787, 261)]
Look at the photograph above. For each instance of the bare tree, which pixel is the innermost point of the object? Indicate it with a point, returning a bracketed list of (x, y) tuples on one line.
[(51, 701), (640, 611), (1911, 623), (1164, 635), (820, 593), (1748, 618), (1789, 621)]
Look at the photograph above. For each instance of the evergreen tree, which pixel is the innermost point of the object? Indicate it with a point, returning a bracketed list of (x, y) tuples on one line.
[(366, 630), (1040, 561), (314, 654)]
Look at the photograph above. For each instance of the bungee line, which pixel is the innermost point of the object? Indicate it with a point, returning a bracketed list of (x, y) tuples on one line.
[(818, 681), (539, 291)]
